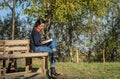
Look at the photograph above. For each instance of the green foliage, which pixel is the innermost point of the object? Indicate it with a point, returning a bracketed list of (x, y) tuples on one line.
[(21, 27), (118, 50), (68, 19), (6, 27), (70, 13), (65, 10)]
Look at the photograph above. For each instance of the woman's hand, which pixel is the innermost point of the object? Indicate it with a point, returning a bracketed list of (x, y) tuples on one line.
[(43, 42)]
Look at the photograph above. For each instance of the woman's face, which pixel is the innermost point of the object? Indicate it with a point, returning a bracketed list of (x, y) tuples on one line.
[(42, 25)]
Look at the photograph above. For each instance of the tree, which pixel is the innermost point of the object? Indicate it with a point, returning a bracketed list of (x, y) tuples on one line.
[(11, 4), (109, 39), (22, 27), (69, 17)]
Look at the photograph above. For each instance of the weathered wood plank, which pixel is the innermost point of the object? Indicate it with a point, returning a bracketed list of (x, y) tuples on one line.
[(43, 67), (1, 49), (22, 73), (15, 42), (2, 41), (14, 45), (28, 64), (23, 55), (16, 48), (20, 46), (28, 47)]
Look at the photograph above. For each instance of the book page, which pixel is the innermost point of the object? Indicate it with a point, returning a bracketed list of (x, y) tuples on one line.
[(48, 40)]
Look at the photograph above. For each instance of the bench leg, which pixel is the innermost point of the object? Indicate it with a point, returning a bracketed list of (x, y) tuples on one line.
[(44, 66), (12, 63), (28, 64), (4, 67), (9, 66), (46, 63), (15, 64)]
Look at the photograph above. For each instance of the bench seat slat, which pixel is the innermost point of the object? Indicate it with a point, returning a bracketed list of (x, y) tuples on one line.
[(23, 55)]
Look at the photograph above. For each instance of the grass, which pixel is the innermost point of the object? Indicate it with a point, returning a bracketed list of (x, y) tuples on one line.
[(89, 70), (81, 70)]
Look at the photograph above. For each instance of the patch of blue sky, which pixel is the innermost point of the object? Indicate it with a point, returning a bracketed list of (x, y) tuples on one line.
[(3, 13)]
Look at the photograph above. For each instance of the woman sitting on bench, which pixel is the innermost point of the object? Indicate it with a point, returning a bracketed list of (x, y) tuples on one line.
[(37, 45)]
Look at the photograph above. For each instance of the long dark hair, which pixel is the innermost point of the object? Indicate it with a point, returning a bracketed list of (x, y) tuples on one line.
[(39, 21)]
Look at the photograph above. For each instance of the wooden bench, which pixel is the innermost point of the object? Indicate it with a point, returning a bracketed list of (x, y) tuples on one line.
[(20, 49)]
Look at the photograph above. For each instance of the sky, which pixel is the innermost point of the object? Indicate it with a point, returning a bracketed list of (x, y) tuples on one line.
[(3, 13), (6, 10)]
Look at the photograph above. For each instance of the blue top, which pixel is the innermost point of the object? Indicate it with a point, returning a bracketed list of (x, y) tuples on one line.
[(35, 39)]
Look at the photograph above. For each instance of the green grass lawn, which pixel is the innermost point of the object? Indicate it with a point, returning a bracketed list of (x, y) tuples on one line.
[(70, 70), (81, 70)]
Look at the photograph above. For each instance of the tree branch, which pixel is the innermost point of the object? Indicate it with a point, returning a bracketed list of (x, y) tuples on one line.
[(6, 3)]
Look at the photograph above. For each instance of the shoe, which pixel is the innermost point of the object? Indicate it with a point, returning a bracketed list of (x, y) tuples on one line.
[(53, 72), (48, 75)]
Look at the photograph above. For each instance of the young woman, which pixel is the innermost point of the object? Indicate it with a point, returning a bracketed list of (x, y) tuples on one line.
[(37, 45)]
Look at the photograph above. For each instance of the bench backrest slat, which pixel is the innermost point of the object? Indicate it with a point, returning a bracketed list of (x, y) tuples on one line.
[(16, 42), (1, 43), (14, 46)]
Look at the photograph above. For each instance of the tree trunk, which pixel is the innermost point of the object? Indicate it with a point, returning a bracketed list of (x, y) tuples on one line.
[(103, 52), (77, 56), (13, 19)]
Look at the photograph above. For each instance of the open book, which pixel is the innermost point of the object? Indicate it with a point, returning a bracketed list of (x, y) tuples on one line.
[(47, 41)]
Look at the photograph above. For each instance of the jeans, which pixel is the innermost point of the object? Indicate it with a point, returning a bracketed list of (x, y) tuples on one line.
[(48, 48)]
